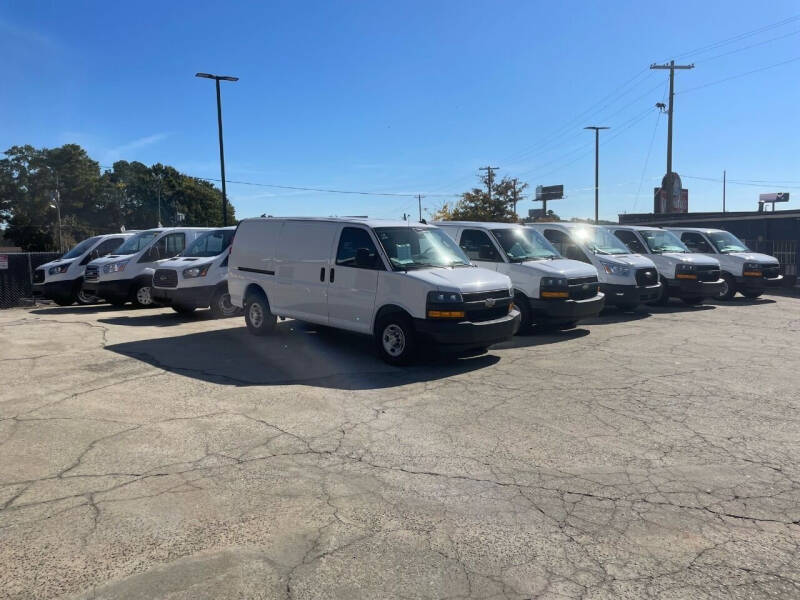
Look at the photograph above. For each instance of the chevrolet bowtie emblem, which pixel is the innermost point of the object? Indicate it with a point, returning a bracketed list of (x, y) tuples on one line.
[(489, 302)]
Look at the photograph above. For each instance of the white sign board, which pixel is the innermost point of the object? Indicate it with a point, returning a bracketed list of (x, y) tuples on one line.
[(775, 197)]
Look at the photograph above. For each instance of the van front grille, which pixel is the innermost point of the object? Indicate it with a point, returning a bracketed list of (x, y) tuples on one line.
[(646, 277), (91, 273), (38, 276), (772, 271), (165, 278), (581, 288), (707, 273), (486, 306)]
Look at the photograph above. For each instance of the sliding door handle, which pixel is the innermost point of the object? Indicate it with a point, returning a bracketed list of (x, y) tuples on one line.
[(331, 275), (322, 274)]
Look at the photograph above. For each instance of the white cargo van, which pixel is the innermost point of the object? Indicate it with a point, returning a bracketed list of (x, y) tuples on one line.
[(127, 274), (402, 283), (61, 280), (198, 276), (548, 288), (684, 274), (744, 271), (626, 279)]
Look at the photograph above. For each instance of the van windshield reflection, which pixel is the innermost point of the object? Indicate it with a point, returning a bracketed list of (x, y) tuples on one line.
[(420, 247)]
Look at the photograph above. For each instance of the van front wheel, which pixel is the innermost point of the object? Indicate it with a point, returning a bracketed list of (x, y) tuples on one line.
[(396, 339), (257, 316)]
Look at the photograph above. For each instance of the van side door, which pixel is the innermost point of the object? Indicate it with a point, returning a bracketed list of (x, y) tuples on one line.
[(480, 248), (353, 280), (302, 269)]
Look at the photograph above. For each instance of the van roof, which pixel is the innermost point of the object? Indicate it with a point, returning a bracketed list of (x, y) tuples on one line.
[(162, 229), (486, 224), (697, 229), (634, 227), (353, 220), (564, 224)]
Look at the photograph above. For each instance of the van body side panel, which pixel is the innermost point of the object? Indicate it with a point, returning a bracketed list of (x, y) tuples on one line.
[(302, 270), (351, 294), (252, 258), (396, 288)]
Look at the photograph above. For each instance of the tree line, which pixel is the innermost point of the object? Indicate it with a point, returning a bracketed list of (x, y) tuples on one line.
[(37, 183)]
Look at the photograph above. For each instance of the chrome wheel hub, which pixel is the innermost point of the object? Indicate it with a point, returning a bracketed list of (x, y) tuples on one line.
[(393, 340), (143, 296), (225, 305), (256, 315)]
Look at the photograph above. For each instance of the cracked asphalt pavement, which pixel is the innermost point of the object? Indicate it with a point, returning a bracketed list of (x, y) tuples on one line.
[(146, 455)]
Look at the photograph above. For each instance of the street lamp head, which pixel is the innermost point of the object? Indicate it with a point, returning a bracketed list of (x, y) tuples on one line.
[(595, 127), (228, 78), (206, 75), (217, 77)]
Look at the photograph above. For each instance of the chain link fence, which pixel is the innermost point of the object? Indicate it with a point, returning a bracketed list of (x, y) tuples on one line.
[(16, 276)]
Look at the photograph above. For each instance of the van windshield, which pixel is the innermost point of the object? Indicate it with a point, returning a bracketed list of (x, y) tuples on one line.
[(523, 243), (138, 242), (725, 242), (210, 244), (81, 248), (419, 248), (660, 241), (599, 240)]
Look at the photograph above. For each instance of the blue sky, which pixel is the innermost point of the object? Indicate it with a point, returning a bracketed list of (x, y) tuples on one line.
[(412, 97)]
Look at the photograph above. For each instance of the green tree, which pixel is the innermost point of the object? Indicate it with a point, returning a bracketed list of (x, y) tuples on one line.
[(476, 205)]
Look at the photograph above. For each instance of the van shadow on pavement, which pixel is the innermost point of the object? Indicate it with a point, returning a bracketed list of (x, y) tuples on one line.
[(157, 319), (741, 301), (87, 309), (293, 354)]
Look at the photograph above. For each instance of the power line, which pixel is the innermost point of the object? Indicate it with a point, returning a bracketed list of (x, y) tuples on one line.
[(761, 43), (700, 87)]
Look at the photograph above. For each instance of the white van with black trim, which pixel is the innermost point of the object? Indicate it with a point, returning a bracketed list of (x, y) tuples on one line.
[(626, 279), (400, 282), (548, 288), (743, 270), (684, 274), (198, 276), (61, 280), (127, 274)]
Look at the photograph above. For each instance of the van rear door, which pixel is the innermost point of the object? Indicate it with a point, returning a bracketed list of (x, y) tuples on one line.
[(353, 280), (302, 270)]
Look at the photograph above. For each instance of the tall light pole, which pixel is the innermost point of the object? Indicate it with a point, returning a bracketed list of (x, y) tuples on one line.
[(596, 169), (217, 79)]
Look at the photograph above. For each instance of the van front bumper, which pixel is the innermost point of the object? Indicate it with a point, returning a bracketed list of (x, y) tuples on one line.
[(630, 294), (193, 297), (567, 310), (691, 288), (757, 284), (468, 334), (115, 290), (57, 290)]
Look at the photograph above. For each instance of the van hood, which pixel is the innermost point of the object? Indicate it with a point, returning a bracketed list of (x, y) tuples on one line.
[(629, 260), (103, 260), (58, 261), (182, 261), (691, 258), (764, 259), (462, 279), (563, 267)]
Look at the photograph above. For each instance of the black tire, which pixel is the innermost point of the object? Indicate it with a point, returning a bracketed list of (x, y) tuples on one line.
[(396, 339), (64, 301), (729, 291), (525, 313), (117, 303), (751, 294), (693, 301), (257, 316), (221, 306), (663, 297), (143, 295), (183, 310), (568, 325), (85, 299)]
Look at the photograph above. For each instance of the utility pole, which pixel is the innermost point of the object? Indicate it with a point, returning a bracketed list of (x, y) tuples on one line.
[(596, 170), (724, 178), (56, 203), (489, 178), (217, 79), (670, 111), (419, 203)]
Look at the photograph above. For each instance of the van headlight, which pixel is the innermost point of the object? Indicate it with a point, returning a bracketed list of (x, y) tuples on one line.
[(615, 269), (445, 305), (752, 270), (444, 297), (553, 287), (58, 269), (685, 271), (198, 271), (115, 267)]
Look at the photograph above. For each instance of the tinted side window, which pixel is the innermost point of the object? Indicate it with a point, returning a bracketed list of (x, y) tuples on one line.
[(696, 242), (631, 241), (564, 244), (357, 250), (103, 248), (477, 246), (175, 244)]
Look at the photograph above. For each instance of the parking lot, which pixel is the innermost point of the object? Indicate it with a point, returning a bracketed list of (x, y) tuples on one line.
[(147, 455)]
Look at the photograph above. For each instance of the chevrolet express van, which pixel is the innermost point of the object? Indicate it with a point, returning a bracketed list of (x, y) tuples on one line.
[(548, 288), (61, 280), (402, 283), (684, 274), (626, 279), (744, 271), (198, 276), (127, 274)]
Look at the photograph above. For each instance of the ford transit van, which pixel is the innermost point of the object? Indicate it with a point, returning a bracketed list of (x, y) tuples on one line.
[(548, 288), (684, 274), (61, 280), (127, 274), (626, 279), (198, 276), (743, 270), (402, 283)]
